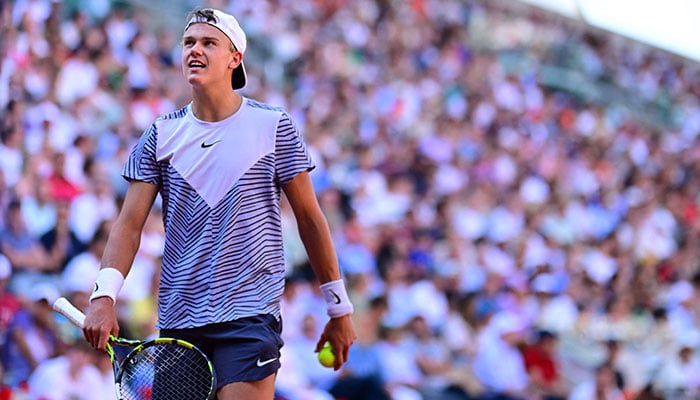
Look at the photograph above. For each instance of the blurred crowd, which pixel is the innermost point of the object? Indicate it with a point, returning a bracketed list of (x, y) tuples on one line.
[(503, 235)]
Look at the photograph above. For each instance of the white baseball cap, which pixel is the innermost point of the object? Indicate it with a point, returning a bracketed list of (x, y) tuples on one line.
[(227, 24)]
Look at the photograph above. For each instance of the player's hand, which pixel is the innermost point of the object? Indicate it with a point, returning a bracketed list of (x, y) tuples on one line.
[(100, 322), (340, 333)]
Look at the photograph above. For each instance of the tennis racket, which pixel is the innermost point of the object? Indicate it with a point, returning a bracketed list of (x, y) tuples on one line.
[(157, 369)]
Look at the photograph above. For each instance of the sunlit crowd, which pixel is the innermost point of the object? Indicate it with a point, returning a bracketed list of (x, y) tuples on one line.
[(513, 196)]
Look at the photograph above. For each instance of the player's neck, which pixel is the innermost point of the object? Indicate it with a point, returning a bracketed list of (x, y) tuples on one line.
[(215, 108)]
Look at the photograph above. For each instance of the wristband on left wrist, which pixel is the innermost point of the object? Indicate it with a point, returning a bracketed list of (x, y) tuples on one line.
[(337, 301)]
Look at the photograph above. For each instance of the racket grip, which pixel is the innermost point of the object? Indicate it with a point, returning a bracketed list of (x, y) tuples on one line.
[(68, 310)]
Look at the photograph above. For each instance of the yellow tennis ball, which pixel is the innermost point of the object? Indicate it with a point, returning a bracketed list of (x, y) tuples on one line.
[(326, 356)]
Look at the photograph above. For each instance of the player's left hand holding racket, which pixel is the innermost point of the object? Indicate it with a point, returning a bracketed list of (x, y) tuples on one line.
[(157, 369)]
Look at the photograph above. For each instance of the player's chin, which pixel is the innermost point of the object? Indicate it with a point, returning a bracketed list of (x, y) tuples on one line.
[(194, 78)]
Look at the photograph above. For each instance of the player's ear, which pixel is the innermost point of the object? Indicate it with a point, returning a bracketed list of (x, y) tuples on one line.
[(236, 59)]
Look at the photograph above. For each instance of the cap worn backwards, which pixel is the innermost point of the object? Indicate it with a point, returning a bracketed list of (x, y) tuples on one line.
[(227, 24)]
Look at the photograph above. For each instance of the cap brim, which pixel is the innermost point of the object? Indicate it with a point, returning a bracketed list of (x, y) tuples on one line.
[(238, 78)]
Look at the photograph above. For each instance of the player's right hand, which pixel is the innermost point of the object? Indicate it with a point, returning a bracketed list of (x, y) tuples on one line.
[(100, 323)]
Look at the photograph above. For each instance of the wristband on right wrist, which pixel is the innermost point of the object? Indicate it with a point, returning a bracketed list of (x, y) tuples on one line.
[(108, 283)]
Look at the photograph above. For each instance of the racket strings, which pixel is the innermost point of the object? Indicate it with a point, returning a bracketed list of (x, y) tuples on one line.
[(166, 372)]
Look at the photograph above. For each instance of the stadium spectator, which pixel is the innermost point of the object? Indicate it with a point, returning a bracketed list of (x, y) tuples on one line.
[(39, 209), (399, 368), (433, 356), (61, 242), (31, 338), (28, 258), (678, 376), (601, 386), (9, 304), (72, 375), (62, 188), (498, 362), (541, 360), (304, 377)]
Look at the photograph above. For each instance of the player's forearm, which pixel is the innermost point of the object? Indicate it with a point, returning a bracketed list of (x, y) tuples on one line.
[(119, 253), (316, 236), (121, 248), (313, 227), (124, 241)]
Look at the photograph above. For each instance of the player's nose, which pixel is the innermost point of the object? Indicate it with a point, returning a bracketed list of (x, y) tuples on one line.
[(196, 49)]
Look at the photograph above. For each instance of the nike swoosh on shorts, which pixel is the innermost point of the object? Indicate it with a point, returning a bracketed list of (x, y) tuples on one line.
[(261, 363)]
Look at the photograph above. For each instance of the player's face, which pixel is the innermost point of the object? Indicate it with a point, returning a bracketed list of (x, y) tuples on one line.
[(208, 57)]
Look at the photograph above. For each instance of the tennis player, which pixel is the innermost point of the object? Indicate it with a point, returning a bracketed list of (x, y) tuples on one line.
[(220, 164)]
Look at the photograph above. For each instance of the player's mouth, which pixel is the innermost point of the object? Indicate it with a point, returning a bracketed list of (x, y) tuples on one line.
[(196, 64)]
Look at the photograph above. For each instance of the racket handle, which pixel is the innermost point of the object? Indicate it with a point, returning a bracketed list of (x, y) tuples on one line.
[(68, 310)]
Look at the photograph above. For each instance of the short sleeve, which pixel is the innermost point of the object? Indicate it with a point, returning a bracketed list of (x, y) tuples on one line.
[(142, 164), (291, 155)]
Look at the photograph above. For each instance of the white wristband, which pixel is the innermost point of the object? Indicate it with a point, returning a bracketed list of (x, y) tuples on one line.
[(337, 299), (108, 283)]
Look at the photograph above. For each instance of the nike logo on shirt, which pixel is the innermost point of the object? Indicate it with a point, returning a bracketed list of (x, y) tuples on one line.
[(207, 145), (261, 363)]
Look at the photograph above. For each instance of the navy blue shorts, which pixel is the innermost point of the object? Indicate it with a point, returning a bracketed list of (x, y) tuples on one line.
[(243, 350)]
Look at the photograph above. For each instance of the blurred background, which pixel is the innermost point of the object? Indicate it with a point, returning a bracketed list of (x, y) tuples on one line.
[(512, 189)]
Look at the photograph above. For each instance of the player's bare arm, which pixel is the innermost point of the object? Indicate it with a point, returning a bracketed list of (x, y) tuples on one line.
[(313, 227), (316, 236), (122, 245)]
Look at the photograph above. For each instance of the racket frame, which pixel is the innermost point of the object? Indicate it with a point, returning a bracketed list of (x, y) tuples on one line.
[(64, 307)]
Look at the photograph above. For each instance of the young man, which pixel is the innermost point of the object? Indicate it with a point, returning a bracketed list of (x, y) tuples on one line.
[(220, 164)]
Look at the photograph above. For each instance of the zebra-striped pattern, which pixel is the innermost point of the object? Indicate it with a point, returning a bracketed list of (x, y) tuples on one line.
[(223, 257)]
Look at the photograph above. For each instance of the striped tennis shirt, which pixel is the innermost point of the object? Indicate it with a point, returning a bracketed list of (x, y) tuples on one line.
[(220, 183)]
